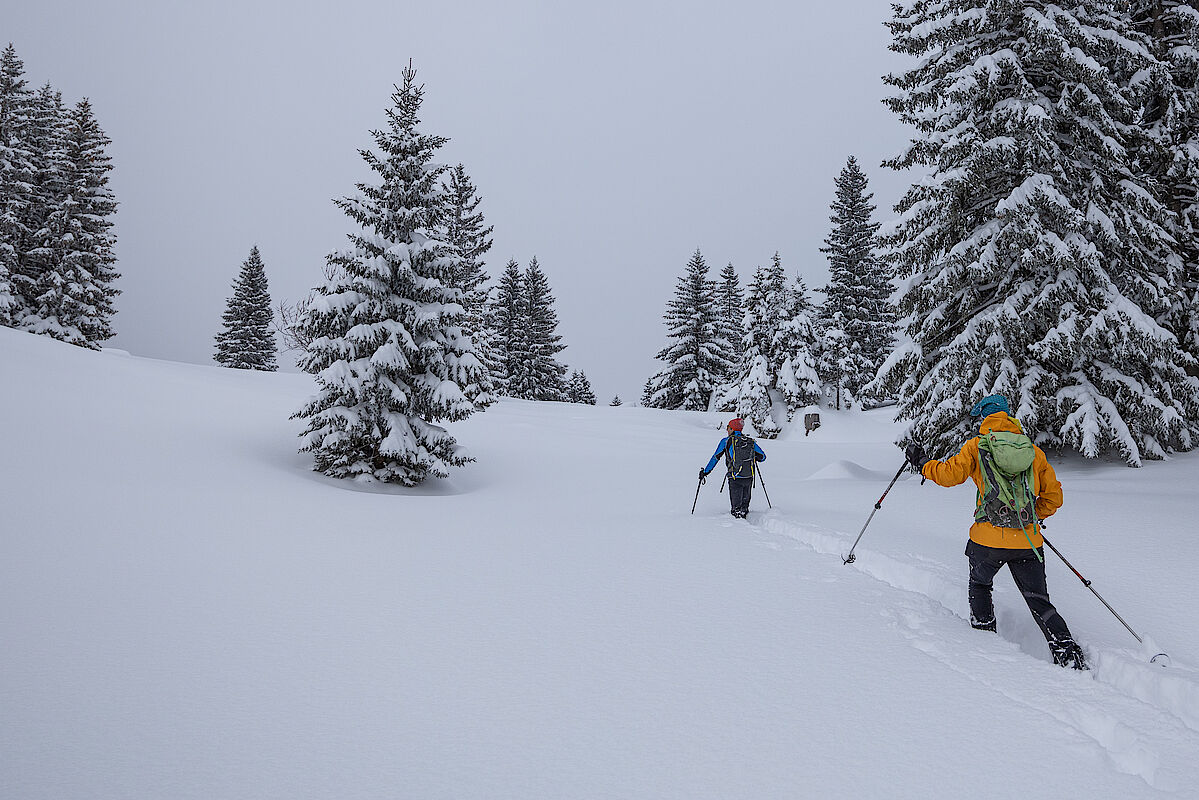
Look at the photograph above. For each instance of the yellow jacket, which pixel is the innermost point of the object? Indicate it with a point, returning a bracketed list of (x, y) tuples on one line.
[(955, 470)]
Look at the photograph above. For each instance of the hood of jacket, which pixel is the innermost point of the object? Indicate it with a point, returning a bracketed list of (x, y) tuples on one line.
[(1000, 421)]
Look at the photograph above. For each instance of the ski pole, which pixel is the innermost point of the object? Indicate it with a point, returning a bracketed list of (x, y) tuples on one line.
[(722, 480), (758, 470), (696, 500), (1087, 584), (849, 559)]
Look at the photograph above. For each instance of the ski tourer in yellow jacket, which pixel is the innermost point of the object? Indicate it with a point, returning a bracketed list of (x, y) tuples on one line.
[(956, 469), (992, 547)]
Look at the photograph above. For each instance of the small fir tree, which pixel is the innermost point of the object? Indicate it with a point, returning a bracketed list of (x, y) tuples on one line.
[(387, 347), (857, 321), (647, 394), (539, 376), (247, 341), (699, 356), (578, 389), (616, 401), (507, 330)]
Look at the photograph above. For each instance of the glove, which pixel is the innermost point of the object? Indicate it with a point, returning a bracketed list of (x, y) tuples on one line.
[(916, 456), (702, 475)]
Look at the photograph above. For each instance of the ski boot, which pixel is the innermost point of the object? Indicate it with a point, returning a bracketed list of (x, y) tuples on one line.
[(1067, 653)]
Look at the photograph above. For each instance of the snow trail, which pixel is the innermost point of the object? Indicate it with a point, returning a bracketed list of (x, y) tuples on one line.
[(1142, 716)]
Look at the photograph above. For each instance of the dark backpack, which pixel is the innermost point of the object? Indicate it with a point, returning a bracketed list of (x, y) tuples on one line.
[(739, 456)]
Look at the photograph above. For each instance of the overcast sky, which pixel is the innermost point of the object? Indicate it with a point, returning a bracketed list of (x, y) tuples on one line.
[(608, 139)]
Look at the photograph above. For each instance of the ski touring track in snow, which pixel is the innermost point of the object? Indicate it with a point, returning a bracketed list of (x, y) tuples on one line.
[(1143, 718)]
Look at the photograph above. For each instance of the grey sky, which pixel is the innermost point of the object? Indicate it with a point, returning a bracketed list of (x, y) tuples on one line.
[(608, 139)]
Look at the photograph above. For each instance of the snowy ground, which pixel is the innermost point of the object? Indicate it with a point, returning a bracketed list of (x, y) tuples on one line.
[(189, 612)]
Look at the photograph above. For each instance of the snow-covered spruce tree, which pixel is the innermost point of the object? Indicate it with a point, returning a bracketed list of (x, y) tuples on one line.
[(647, 393), (1035, 260), (73, 293), (796, 347), (247, 341), (467, 232), (857, 320), (48, 126), (16, 181), (779, 353), (730, 311), (539, 376), (387, 348), (749, 396), (1168, 154), (616, 401), (699, 356), (578, 389), (507, 330), (586, 393)]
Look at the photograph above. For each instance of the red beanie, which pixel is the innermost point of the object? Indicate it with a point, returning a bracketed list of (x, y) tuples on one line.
[(736, 424)]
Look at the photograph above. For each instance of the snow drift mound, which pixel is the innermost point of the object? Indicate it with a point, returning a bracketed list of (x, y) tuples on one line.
[(841, 470)]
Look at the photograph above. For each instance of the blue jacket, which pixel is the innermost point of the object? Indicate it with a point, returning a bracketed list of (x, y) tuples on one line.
[(758, 456)]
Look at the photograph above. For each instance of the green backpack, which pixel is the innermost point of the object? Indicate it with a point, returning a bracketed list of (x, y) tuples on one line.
[(1006, 499)]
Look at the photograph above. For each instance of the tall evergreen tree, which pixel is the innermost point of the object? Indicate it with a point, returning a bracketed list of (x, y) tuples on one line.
[(539, 376), (1168, 154), (1037, 261), (857, 321), (507, 329), (48, 128), (730, 310), (387, 346), (466, 230), (247, 341), (699, 356), (16, 181), (74, 289)]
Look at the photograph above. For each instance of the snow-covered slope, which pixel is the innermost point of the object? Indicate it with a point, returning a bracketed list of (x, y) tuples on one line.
[(189, 612)]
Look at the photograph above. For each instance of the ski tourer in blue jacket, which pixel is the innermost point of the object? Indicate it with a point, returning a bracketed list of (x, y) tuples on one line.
[(741, 470)]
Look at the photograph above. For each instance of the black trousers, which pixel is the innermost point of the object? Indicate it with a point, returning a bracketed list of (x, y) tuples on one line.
[(739, 491), (1029, 574)]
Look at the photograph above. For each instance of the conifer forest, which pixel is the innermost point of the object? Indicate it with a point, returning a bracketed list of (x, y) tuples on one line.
[(1046, 250)]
